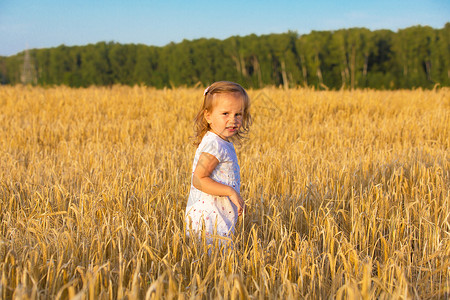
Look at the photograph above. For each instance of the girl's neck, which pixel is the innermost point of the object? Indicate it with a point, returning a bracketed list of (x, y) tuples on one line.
[(226, 140)]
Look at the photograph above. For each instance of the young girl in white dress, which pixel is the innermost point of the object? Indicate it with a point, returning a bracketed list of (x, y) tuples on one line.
[(214, 199)]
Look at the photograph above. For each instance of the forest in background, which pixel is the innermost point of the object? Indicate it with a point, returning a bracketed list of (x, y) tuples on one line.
[(413, 57)]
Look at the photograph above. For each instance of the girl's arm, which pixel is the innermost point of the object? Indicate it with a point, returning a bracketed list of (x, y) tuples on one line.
[(203, 182)]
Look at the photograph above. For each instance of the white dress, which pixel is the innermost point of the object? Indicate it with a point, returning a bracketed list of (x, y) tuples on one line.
[(212, 210)]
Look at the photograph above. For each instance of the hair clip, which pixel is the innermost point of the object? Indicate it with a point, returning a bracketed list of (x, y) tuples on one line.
[(206, 91)]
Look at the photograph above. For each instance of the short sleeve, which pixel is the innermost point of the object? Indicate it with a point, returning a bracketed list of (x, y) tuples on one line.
[(212, 147)]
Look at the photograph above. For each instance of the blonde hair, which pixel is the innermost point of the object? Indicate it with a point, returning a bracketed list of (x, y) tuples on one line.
[(201, 126)]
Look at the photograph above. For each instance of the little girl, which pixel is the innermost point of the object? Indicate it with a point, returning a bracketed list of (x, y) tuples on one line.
[(214, 198)]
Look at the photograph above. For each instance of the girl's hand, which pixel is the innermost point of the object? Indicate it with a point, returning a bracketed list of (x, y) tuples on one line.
[(236, 198)]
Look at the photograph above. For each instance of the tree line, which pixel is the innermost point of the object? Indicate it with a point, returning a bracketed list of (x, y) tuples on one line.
[(413, 57)]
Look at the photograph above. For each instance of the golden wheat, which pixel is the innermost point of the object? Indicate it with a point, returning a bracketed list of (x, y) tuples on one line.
[(348, 196)]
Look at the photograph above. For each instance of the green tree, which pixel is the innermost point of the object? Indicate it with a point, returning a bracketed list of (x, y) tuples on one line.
[(382, 73), (411, 46), (123, 61), (96, 69), (314, 49), (147, 68), (441, 51), (418, 56)]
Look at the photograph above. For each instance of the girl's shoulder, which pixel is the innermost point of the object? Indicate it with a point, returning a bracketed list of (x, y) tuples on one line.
[(213, 144), (212, 137)]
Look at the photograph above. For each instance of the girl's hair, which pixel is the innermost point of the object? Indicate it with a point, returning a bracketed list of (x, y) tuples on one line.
[(201, 126)]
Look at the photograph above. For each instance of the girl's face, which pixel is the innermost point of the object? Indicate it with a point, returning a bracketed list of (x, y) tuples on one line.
[(225, 118)]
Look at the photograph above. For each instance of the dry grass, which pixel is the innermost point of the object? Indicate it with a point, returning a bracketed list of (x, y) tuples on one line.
[(348, 196)]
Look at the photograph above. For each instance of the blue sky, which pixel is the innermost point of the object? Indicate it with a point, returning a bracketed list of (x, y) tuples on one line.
[(50, 23)]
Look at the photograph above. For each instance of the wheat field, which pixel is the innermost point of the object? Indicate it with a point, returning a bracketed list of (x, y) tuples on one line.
[(348, 196)]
